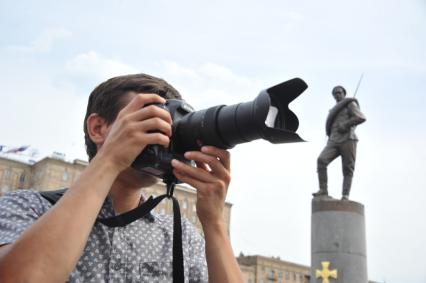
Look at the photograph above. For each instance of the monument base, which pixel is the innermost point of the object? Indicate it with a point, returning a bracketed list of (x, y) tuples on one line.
[(338, 245)]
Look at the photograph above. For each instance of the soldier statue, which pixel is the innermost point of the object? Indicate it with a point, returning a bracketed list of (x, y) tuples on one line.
[(340, 128)]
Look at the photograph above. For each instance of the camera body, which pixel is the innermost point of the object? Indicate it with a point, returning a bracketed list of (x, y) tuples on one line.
[(156, 159), (267, 117)]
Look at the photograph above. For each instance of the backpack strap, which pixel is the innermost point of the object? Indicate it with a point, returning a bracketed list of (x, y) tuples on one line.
[(114, 221), (53, 196)]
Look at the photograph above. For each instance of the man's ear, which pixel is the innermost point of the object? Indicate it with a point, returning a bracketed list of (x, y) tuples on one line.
[(97, 128)]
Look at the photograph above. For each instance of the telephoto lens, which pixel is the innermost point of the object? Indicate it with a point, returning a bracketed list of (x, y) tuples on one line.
[(266, 117)]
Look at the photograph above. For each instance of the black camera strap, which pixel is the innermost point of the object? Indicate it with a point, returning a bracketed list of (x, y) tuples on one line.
[(142, 211)]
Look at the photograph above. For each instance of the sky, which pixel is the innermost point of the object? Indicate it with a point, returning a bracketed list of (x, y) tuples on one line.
[(53, 53)]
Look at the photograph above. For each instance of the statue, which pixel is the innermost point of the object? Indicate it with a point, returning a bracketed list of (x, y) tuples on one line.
[(340, 128)]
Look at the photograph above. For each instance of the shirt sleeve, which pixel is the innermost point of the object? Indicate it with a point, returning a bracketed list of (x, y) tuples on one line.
[(18, 210), (197, 256)]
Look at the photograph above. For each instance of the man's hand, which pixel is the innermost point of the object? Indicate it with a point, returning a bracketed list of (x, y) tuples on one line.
[(136, 127), (211, 178)]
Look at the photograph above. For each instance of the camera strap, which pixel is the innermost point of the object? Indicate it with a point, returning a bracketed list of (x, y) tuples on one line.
[(142, 211)]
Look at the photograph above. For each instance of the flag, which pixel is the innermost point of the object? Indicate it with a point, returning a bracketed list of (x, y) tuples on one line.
[(18, 149)]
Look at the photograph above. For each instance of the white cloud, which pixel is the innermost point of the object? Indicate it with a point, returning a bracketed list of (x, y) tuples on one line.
[(210, 84), (44, 42), (217, 71), (91, 65), (175, 69)]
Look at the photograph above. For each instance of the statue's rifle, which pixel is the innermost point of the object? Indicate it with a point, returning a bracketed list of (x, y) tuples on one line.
[(359, 82)]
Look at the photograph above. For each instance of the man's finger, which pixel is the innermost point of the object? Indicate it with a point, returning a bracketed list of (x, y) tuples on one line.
[(199, 185), (223, 155), (202, 165), (195, 173), (156, 138), (140, 100), (150, 112), (213, 162), (155, 125)]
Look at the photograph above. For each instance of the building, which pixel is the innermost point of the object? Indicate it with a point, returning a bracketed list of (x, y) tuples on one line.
[(261, 269), (54, 172)]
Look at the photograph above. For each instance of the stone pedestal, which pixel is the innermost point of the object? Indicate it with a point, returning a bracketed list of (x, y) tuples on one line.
[(338, 245)]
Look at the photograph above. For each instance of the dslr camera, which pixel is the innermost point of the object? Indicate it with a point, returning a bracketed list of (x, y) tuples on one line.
[(266, 117)]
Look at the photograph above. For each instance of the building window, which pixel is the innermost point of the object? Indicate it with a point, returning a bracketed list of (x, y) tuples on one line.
[(22, 179), (287, 275), (271, 274)]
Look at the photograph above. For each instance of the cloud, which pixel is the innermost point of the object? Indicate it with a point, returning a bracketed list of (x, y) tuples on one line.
[(209, 84), (175, 69), (44, 42), (91, 65)]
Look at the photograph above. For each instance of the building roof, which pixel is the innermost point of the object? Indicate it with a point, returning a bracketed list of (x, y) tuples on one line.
[(30, 160), (252, 259)]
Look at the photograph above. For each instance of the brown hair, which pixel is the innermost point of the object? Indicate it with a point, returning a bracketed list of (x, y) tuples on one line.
[(107, 99)]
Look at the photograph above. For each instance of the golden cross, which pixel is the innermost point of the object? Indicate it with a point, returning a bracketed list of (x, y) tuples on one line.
[(325, 273)]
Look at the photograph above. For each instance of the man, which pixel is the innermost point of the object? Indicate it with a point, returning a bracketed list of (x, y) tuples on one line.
[(340, 127), (44, 243)]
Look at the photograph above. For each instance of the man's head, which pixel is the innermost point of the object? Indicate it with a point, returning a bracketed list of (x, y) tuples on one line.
[(108, 98), (339, 92)]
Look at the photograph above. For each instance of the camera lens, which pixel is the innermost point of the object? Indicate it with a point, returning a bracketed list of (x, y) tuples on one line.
[(267, 117)]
